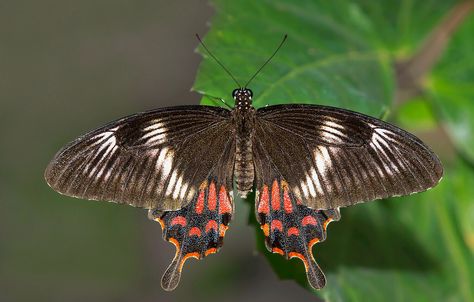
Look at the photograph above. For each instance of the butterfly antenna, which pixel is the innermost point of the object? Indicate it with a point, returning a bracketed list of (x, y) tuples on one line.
[(218, 62), (268, 60), (217, 100)]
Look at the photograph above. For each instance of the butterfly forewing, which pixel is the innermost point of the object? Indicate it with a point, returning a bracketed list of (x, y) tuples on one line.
[(332, 157), (156, 159)]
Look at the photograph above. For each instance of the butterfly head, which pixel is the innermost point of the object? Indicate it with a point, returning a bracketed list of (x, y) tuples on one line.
[(242, 98)]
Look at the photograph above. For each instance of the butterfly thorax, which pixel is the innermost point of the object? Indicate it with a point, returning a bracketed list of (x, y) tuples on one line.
[(244, 119)]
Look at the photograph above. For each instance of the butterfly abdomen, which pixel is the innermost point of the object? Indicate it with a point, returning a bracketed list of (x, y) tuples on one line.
[(244, 169)]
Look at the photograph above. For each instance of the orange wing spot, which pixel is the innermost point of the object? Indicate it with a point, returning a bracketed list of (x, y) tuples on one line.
[(211, 224), (195, 231), (266, 229), (179, 220), (278, 251), (212, 250), (222, 230), (308, 220), (299, 256), (200, 202), (263, 205), (313, 242), (287, 201), (225, 207), (194, 255), (175, 243), (325, 224), (203, 185), (276, 224), (161, 222), (293, 231), (275, 196)]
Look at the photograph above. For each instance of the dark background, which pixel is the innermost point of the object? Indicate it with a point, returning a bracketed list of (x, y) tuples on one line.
[(67, 67)]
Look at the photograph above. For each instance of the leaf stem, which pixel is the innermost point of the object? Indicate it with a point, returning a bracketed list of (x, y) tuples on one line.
[(410, 72)]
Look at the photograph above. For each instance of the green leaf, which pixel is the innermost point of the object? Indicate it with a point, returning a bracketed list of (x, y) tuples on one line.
[(337, 52), (417, 114), (322, 62)]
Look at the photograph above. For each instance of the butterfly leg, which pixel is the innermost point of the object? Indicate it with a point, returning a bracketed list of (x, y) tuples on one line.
[(291, 229), (196, 230)]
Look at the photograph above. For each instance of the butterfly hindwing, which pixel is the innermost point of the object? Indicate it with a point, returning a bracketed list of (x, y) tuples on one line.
[(155, 160), (198, 229), (291, 228), (332, 157)]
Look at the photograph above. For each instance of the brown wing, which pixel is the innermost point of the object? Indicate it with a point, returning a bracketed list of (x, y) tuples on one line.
[(333, 158), (155, 160)]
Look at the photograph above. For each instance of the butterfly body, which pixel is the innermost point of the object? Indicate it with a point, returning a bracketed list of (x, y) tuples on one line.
[(244, 118)]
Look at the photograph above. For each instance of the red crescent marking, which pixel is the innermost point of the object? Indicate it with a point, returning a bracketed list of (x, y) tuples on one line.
[(276, 224), (275, 196), (195, 231), (263, 206), (211, 224), (178, 220), (309, 220), (293, 231)]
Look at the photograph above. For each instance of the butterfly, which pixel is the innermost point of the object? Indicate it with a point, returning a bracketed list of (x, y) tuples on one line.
[(303, 161)]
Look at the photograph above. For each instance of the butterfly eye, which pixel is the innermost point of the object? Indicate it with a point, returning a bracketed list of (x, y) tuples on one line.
[(234, 93), (250, 92)]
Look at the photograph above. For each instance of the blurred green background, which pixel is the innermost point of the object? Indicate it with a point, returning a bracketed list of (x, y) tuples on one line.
[(67, 67)]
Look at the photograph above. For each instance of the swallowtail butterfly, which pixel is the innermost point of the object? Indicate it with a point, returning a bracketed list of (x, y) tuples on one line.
[(304, 161)]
